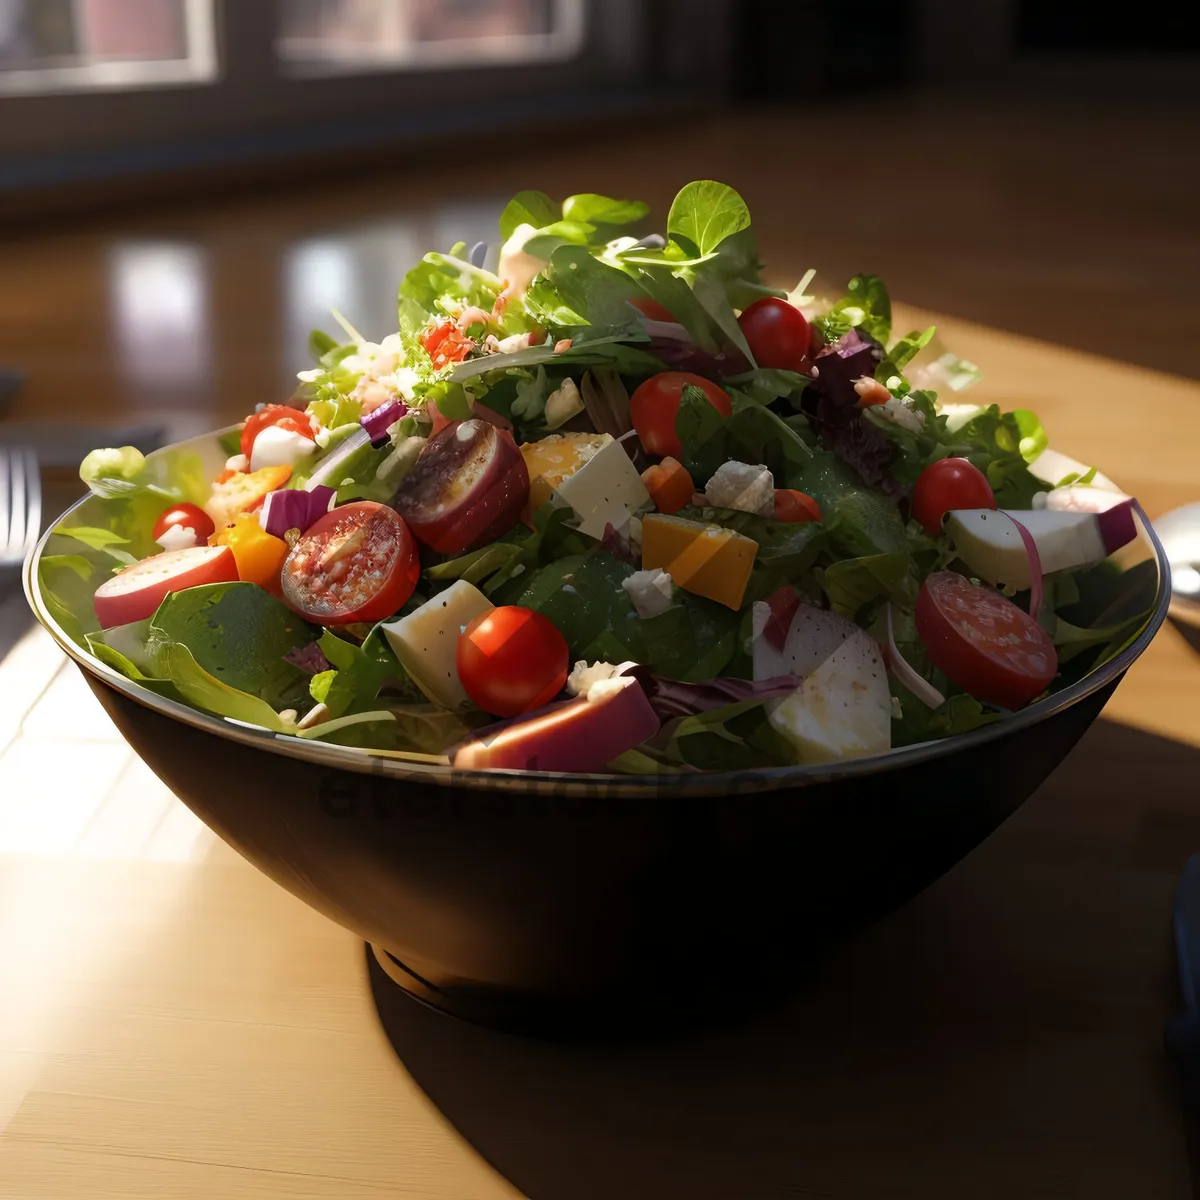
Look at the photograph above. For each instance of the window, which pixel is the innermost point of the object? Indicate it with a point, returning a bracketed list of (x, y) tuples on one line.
[(87, 45), (364, 35)]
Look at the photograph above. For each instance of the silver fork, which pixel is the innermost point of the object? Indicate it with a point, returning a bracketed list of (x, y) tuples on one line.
[(20, 503)]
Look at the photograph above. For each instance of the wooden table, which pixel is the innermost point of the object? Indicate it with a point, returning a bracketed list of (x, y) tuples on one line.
[(173, 1025)]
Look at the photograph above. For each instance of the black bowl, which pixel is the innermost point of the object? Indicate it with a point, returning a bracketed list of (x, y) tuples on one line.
[(568, 904)]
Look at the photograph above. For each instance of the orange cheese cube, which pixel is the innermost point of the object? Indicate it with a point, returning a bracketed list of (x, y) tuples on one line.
[(705, 560), (556, 458)]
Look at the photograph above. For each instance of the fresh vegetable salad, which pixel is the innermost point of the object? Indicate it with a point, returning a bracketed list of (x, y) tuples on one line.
[(605, 500)]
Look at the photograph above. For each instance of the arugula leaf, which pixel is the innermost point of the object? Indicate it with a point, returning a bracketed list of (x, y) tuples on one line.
[(603, 210), (765, 384), (527, 208), (866, 306), (1002, 445), (705, 213), (439, 279), (899, 356), (356, 681), (238, 633)]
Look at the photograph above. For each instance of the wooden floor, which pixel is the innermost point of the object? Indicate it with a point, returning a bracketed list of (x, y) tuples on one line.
[(172, 1024)]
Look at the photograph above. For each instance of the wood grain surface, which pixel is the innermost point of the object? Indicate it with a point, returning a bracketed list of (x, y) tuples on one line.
[(173, 1025)]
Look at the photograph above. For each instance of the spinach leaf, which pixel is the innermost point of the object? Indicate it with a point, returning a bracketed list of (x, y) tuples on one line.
[(239, 634), (527, 208), (603, 210)]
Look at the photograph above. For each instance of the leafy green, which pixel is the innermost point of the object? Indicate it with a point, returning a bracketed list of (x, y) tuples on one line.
[(959, 714), (1002, 445), (82, 567), (853, 583), (109, 465), (862, 521), (866, 306), (701, 432), (230, 442), (356, 681), (528, 208), (902, 352), (603, 210), (575, 288), (175, 662), (705, 213), (239, 634), (98, 539)]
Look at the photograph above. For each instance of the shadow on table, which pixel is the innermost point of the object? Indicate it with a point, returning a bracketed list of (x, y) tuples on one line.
[(999, 1036)]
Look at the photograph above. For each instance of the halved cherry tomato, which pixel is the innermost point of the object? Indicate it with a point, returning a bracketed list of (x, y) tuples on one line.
[(795, 507), (669, 484), (136, 591), (655, 405), (258, 554), (945, 485), (184, 516), (357, 563), (512, 660), (291, 419), (652, 310), (983, 642), (777, 333), (445, 343)]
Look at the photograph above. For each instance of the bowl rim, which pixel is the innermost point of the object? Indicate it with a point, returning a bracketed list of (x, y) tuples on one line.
[(388, 765)]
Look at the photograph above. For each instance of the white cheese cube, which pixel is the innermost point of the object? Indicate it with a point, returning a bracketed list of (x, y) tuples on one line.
[(584, 676), (426, 641), (842, 710), (747, 488), (603, 490), (650, 591)]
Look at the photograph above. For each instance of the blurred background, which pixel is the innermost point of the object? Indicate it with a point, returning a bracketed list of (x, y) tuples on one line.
[(187, 186)]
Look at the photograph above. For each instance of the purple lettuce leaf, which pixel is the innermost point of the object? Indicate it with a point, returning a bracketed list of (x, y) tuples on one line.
[(831, 404), (670, 698)]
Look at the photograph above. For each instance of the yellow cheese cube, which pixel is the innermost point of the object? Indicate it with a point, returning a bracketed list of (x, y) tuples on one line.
[(554, 459), (705, 560)]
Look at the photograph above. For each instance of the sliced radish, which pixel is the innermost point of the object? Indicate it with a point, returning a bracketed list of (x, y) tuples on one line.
[(136, 592), (995, 550), (907, 674), (468, 487), (574, 735), (1035, 568)]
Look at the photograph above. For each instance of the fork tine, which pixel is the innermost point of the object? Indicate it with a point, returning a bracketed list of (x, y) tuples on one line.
[(33, 501), (4, 514), (16, 519)]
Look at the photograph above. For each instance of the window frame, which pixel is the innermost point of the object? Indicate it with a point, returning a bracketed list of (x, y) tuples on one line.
[(255, 109)]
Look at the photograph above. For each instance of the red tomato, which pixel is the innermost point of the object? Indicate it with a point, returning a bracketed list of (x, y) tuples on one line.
[(777, 334), (945, 485), (445, 343), (357, 563), (983, 642), (512, 660), (655, 405), (652, 310), (795, 507), (185, 516), (136, 591), (291, 419), (783, 604)]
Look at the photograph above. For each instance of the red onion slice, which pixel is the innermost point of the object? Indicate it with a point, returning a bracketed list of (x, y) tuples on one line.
[(295, 509), (907, 674), (382, 419), (1036, 590)]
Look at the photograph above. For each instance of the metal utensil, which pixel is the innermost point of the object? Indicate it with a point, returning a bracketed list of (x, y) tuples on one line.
[(20, 503)]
